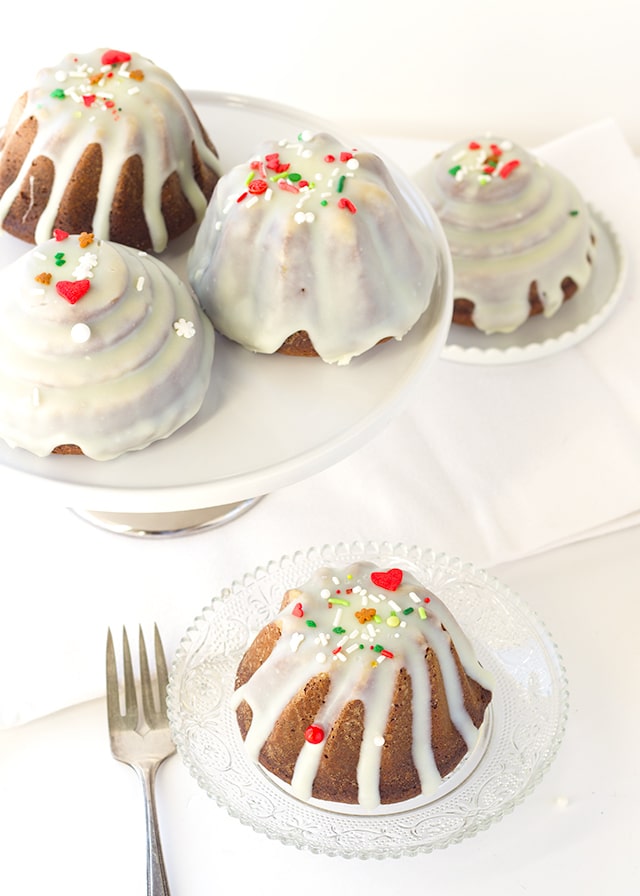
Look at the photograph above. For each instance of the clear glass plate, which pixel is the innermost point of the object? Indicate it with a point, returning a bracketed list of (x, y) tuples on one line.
[(519, 739)]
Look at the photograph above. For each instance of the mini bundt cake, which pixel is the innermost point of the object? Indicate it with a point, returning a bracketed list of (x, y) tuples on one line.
[(363, 690), (312, 249), (105, 142), (520, 234), (103, 349)]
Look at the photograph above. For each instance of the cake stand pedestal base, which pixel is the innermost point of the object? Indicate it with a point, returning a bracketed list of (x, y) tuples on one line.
[(167, 524)]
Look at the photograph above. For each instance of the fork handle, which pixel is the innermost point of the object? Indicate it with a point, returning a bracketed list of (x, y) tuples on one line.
[(156, 874)]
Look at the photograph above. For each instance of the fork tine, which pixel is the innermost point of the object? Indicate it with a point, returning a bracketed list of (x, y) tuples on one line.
[(161, 669), (130, 700), (148, 703), (113, 696)]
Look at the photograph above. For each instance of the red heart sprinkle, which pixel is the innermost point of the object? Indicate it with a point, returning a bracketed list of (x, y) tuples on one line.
[(298, 611), (111, 57), (72, 290), (89, 99), (60, 234), (389, 579), (314, 734)]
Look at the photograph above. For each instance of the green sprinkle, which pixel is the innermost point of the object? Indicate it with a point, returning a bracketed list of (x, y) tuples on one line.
[(323, 202), (378, 648), (453, 171), (574, 212), (280, 176), (339, 630), (408, 611), (60, 259), (250, 178), (312, 624), (58, 94), (377, 618), (422, 613), (295, 177), (361, 646), (340, 601), (340, 186)]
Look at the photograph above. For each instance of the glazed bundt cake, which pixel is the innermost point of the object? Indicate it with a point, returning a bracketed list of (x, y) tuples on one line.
[(105, 142), (102, 349), (363, 690), (520, 234), (310, 248)]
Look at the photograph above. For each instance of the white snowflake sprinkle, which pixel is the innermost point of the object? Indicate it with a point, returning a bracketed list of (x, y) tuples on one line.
[(184, 328)]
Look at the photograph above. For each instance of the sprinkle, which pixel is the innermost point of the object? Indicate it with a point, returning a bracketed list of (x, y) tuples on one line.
[(345, 156), (341, 601), (352, 164), (298, 611), (310, 623), (387, 653), (393, 621), (365, 615), (574, 212), (378, 741), (140, 284), (506, 170), (184, 328), (407, 611), (325, 593), (85, 239), (242, 196), (58, 93), (390, 580), (80, 333), (296, 640), (60, 235), (44, 277), (338, 630), (347, 203), (258, 186), (336, 651), (72, 290), (394, 606), (321, 658), (340, 186), (59, 259), (422, 613), (414, 597), (453, 171), (330, 159)]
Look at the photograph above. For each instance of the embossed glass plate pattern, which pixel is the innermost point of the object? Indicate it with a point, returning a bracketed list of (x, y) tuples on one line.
[(527, 720)]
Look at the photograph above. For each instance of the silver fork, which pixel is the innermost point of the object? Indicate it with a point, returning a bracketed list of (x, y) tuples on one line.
[(141, 740)]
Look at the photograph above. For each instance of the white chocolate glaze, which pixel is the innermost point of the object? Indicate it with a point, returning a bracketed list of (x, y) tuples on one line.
[(321, 632), (509, 220), (129, 108), (308, 235), (125, 364)]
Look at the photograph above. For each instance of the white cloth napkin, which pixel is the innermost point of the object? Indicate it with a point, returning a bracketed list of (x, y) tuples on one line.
[(486, 463)]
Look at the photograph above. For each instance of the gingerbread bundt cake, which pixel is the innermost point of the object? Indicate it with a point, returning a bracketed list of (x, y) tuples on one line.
[(520, 234), (363, 690), (105, 142), (102, 349), (309, 248)]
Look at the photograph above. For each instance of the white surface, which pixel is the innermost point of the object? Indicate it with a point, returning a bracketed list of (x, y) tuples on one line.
[(267, 420), (414, 69), (72, 817)]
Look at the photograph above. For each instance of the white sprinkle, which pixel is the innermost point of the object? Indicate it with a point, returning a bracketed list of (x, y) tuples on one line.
[(506, 145), (343, 641), (378, 741), (296, 640), (354, 634), (268, 195), (40, 255), (133, 90), (218, 225), (562, 802), (251, 201), (335, 580), (299, 217), (306, 154), (353, 164), (37, 292), (381, 659), (337, 617), (352, 647), (340, 656), (371, 629), (394, 606), (375, 599), (325, 593), (80, 333), (323, 638), (321, 658), (414, 597), (140, 283), (60, 76), (306, 135), (458, 155)]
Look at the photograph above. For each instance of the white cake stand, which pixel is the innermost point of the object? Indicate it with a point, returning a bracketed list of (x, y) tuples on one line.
[(267, 421)]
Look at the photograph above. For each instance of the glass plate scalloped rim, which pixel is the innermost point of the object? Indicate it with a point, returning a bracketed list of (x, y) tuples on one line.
[(529, 708), (540, 336)]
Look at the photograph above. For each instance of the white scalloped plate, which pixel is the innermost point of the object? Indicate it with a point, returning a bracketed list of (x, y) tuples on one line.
[(526, 724), (541, 336)]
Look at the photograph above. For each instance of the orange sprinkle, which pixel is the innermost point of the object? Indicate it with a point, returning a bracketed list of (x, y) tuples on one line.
[(137, 75), (85, 239), (43, 278)]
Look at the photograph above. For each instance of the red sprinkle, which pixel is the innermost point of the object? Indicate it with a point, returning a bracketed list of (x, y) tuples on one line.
[(298, 611), (258, 186), (345, 156), (89, 99), (112, 57), (506, 170), (72, 290), (330, 158), (390, 579), (337, 650), (60, 235), (289, 187), (314, 734), (242, 196), (386, 653), (474, 145), (347, 203)]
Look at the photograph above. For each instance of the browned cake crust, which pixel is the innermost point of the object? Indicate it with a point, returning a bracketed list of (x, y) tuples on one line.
[(300, 345), (463, 308), (336, 780), (67, 449), (127, 222)]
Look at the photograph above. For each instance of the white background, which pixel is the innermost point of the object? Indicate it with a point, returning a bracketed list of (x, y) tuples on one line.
[(531, 72)]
